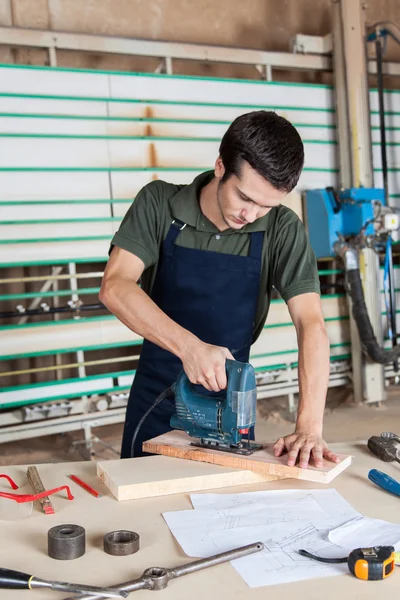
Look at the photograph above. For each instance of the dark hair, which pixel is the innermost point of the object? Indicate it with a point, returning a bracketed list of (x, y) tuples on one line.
[(269, 143)]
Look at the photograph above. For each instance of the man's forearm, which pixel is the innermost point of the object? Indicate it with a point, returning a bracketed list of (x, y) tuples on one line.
[(131, 305), (313, 376)]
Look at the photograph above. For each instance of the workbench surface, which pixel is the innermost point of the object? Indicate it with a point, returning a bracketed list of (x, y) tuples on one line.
[(24, 542)]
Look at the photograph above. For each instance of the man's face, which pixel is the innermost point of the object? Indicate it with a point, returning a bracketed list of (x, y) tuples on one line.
[(244, 199)]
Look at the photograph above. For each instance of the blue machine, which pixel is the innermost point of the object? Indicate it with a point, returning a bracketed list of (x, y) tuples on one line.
[(219, 422), (345, 212)]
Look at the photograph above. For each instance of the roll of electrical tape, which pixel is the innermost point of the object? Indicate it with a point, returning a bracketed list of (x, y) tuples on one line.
[(121, 542), (66, 542)]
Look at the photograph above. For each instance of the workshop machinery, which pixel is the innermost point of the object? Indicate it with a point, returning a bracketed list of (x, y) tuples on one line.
[(355, 221)]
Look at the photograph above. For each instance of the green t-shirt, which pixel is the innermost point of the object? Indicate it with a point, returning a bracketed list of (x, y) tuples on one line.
[(288, 261)]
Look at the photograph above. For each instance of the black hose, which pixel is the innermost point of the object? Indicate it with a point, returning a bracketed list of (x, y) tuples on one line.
[(381, 97), (367, 337)]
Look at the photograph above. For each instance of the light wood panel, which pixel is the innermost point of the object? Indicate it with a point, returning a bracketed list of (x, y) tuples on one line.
[(177, 444), (151, 476)]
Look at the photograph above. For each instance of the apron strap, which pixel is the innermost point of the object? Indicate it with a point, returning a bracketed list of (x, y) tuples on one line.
[(256, 244), (173, 232)]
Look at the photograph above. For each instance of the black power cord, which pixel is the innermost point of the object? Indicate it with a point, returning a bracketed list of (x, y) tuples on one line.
[(332, 561), (168, 393)]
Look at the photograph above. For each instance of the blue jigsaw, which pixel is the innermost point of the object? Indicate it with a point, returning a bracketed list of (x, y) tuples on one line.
[(223, 421)]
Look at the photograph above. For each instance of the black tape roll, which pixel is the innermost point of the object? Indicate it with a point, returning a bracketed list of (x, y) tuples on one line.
[(66, 542)]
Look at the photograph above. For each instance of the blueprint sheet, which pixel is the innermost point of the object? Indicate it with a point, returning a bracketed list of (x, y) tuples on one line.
[(363, 532), (285, 521)]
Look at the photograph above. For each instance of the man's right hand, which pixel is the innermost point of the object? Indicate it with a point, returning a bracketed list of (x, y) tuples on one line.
[(204, 365)]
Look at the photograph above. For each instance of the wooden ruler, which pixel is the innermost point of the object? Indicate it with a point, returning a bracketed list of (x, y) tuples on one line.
[(38, 487)]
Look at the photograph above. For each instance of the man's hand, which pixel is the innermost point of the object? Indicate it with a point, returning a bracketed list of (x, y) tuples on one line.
[(308, 446), (204, 364)]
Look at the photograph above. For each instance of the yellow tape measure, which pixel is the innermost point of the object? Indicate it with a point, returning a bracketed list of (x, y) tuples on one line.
[(370, 564)]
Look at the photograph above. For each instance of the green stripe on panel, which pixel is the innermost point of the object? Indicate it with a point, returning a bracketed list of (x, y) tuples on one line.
[(71, 350), (146, 138), (166, 102), (166, 76), (268, 354), (57, 323), (35, 386), (79, 136), (117, 388), (134, 169), (53, 221), (295, 364), (54, 261), (73, 201), (55, 240), (146, 119)]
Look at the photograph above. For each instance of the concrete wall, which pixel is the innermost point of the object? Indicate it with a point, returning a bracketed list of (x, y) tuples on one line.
[(261, 24)]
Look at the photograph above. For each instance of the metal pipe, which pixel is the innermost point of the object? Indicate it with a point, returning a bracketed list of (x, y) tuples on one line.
[(56, 317), (80, 356), (87, 363), (52, 311), (36, 301), (47, 277), (157, 578)]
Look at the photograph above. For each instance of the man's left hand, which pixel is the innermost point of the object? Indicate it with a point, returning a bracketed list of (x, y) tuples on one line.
[(306, 445)]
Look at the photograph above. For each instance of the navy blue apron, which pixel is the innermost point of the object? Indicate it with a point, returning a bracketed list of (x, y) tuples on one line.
[(214, 296)]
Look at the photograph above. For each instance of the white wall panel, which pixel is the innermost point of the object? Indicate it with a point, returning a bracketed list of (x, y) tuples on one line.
[(207, 90), (171, 153), (87, 332), (391, 100), (199, 130), (317, 179), (52, 82), (392, 136), (54, 211), (51, 106), (392, 155), (217, 113), (171, 129), (56, 230), (52, 252), (120, 209), (292, 101), (66, 153), (321, 156), (128, 184), (41, 393), (393, 181), (53, 186), (40, 126)]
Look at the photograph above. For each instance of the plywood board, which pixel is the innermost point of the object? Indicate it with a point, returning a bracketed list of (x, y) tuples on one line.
[(150, 476), (178, 444)]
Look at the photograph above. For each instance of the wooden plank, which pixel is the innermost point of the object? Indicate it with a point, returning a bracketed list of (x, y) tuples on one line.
[(178, 444), (150, 476)]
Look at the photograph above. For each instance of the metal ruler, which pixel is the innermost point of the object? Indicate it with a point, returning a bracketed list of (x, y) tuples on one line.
[(35, 481)]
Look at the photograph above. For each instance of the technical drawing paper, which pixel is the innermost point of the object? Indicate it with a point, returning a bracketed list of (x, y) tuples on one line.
[(363, 532), (285, 521)]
